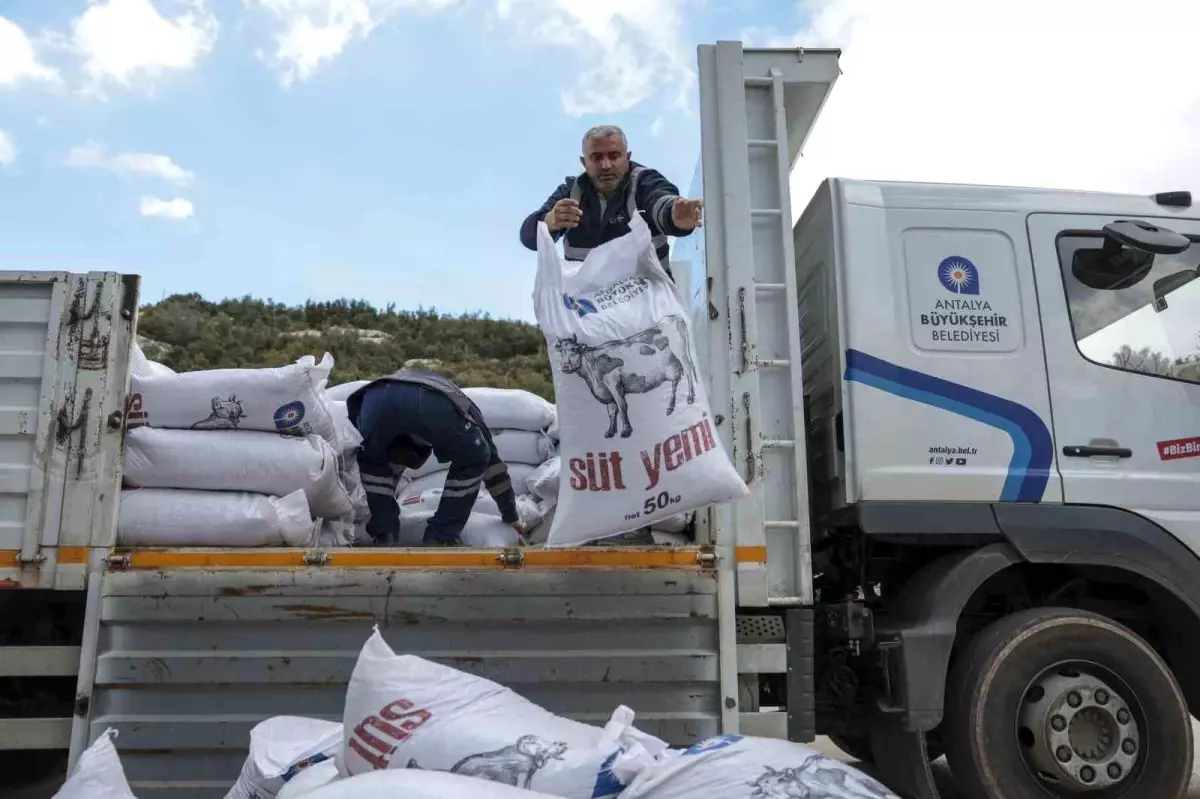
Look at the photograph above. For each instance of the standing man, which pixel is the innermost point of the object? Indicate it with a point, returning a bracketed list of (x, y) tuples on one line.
[(403, 419), (596, 207)]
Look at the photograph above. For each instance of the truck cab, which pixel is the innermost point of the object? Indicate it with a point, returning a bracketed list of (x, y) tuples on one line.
[(905, 367)]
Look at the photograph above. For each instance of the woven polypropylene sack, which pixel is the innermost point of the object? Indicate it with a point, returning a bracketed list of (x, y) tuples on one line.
[(404, 712), (737, 767), (636, 436), (98, 773), (169, 517), (512, 408), (282, 748), (288, 399), (228, 460)]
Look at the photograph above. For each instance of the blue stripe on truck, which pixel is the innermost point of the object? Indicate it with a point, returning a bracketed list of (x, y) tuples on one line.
[(1033, 447)]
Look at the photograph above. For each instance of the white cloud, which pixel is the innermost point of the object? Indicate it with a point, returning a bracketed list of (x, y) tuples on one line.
[(627, 49), (177, 208), (18, 62), (1020, 92), (8, 150), (315, 32), (125, 40), (92, 155)]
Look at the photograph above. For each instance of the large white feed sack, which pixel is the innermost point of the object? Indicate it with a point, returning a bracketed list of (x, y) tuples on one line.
[(512, 409), (342, 391), (523, 447), (169, 517), (282, 748), (234, 460), (483, 530), (737, 767), (636, 435), (417, 784), (98, 773), (406, 712), (288, 399), (518, 474)]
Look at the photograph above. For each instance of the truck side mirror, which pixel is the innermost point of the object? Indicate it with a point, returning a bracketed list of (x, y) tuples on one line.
[(1126, 256), (1173, 282)]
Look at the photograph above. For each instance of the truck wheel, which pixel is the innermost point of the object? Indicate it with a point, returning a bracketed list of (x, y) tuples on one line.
[(1055, 702)]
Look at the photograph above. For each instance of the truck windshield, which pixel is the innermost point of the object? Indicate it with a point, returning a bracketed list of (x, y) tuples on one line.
[(1130, 328)]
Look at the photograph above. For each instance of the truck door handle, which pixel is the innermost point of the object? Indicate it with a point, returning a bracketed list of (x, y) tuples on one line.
[(1095, 452)]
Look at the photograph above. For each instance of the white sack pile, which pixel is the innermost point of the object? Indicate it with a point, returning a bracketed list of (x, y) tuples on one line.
[(520, 423), (404, 712), (421, 730), (636, 432), (238, 458)]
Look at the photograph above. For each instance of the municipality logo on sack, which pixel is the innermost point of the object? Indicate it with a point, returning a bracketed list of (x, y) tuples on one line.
[(579, 305)]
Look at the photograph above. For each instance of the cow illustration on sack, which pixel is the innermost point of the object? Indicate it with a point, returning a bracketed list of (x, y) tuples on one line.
[(818, 777), (513, 765), (226, 415), (635, 365)]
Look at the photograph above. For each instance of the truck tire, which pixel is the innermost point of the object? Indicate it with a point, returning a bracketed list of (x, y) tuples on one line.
[(1056, 702)]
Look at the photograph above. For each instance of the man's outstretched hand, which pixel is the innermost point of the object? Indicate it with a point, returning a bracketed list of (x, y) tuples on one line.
[(687, 214), (564, 215)]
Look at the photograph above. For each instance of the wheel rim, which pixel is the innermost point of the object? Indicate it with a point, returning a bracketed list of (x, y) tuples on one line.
[(1079, 730)]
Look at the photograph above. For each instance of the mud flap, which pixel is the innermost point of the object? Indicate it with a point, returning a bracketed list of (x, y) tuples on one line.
[(901, 761)]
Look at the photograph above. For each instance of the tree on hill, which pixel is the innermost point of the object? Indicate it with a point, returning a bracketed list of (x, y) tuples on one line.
[(472, 350)]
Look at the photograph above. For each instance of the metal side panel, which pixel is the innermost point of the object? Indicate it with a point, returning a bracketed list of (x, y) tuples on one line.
[(35, 373), (757, 107), (188, 661), (104, 316)]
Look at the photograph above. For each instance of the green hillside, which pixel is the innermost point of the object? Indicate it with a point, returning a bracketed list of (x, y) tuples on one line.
[(187, 332)]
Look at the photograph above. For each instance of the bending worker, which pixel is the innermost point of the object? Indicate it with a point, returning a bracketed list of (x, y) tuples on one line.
[(596, 207), (405, 417)]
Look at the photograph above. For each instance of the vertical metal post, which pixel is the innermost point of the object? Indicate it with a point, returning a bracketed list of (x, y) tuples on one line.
[(87, 669)]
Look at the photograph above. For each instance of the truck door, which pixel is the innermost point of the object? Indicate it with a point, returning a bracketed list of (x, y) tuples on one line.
[(1124, 373)]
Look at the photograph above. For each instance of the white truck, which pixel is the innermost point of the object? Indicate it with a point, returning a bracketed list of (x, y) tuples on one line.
[(970, 421)]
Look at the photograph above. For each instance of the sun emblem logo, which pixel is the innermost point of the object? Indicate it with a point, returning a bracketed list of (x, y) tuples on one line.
[(288, 416), (958, 275), (579, 305)]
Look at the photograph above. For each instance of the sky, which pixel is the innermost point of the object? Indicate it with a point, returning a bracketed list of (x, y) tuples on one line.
[(388, 150)]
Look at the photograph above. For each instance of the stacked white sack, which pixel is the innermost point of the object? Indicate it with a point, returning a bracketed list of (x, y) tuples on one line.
[(235, 458), (175, 517), (636, 432), (741, 767), (232, 460), (404, 712), (282, 749), (288, 399)]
